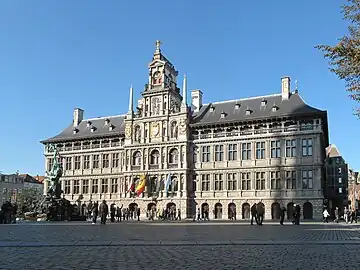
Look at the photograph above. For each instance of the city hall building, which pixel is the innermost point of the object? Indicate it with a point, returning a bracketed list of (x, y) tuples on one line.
[(222, 156)]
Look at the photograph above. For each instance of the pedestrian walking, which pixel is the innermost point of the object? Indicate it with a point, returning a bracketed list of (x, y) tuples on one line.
[(282, 215), (253, 214), (104, 211), (326, 216)]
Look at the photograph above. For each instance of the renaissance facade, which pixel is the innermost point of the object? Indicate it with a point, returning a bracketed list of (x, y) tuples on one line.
[(222, 156)]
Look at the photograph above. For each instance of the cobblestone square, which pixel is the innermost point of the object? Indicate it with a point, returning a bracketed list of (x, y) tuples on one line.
[(143, 245)]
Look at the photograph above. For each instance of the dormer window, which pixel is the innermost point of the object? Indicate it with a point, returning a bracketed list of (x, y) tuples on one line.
[(248, 112), (212, 108), (107, 121), (75, 130), (88, 123), (111, 127), (263, 102), (93, 129), (223, 114), (237, 106), (275, 108)]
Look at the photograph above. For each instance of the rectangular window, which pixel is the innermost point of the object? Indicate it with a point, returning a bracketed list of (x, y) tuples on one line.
[(219, 153), (219, 182), (205, 182), (195, 149), (50, 164), (115, 160), (114, 185), (105, 161), (95, 186), (290, 148), (68, 161), (260, 150), (85, 187), (76, 186), (232, 151), (245, 181), (275, 180), (86, 162), (275, 149), (194, 182), (246, 151), (307, 147), (77, 163), (231, 177), (307, 179), (339, 170), (67, 187), (290, 179), (104, 186), (205, 154), (260, 180), (340, 180), (96, 159)]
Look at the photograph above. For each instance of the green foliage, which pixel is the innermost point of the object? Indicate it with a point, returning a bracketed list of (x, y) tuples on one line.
[(29, 200), (344, 57)]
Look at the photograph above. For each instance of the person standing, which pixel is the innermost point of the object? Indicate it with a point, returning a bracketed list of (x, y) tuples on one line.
[(336, 212), (95, 212), (253, 214), (346, 214), (326, 215), (138, 213), (104, 211), (260, 211), (282, 215)]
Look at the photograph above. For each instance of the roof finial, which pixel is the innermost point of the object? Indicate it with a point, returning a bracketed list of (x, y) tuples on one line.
[(296, 86), (158, 43)]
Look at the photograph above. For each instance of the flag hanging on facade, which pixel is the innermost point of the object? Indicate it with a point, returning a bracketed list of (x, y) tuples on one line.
[(131, 186), (167, 182), (141, 187), (158, 184)]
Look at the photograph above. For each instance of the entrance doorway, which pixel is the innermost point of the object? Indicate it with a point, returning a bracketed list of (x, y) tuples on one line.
[(232, 211), (218, 211)]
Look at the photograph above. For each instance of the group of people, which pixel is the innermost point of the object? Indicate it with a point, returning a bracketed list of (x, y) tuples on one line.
[(116, 213), (8, 213), (348, 215)]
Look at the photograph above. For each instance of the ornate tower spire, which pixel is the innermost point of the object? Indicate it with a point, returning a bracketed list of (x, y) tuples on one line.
[(184, 101), (131, 101)]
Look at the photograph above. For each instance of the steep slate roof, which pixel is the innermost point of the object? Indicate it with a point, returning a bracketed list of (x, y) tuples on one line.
[(85, 132), (332, 151), (293, 106)]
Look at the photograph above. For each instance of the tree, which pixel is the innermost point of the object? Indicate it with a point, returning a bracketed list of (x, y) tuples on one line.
[(29, 200), (344, 58)]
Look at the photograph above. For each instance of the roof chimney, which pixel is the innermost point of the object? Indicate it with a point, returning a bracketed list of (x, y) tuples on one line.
[(78, 116), (285, 88), (196, 99)]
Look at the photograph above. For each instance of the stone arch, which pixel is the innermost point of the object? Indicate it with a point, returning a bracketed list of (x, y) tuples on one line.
[(173, 156), (245, 213), (136, 158), (204, 208), (155, 157), (232, 210), (151, 206), (133, 206), (275, 210), (308, 210), (290, 210), (218, 210)]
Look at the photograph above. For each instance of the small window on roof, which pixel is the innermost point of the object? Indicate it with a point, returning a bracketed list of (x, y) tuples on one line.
[(93, 129), (275, 108), (263, 102), (248, 112), (223, 114), (212, 108), (111, 127), (237, 105), (88, 123), (107, 121), (75, 130)]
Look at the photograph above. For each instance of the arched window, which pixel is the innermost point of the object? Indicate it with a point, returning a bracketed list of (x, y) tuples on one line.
[(174, 130), (137, 134), (137, 158), (173, 156), (154, 157), (174, 185)]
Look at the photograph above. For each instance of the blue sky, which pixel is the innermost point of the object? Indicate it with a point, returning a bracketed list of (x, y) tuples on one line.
[(58, 55)]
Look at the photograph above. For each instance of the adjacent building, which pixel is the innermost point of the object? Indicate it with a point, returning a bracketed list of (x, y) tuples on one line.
[(354, 189), (336, 179), (10, 187), (222, 156)]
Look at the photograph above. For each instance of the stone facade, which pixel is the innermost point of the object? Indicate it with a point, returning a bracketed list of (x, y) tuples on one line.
[(220, 155)]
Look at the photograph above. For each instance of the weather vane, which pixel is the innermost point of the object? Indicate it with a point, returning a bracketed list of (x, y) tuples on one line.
[(158, 43)]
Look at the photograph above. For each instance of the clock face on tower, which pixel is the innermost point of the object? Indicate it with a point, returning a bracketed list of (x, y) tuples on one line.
[(155, 106)]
